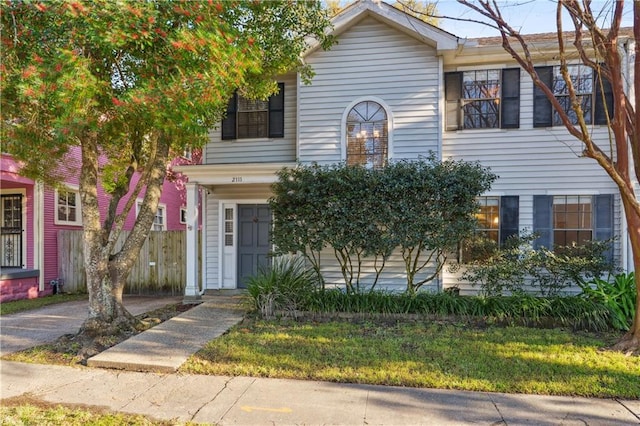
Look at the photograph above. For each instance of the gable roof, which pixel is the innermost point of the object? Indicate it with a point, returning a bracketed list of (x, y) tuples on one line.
[(414, 27)]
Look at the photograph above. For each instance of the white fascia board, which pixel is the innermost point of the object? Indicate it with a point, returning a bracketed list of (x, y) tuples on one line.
[(233, 174), (428, 34)]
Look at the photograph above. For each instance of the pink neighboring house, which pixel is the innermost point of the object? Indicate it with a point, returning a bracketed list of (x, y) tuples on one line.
[(31, 215)]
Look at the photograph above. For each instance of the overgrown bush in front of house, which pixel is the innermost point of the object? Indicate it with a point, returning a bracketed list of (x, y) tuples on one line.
[(519, 268), (285, 285), (419, 209), (617, 294), (570, 311)]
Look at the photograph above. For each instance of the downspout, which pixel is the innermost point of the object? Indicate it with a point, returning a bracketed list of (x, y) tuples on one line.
[(627, 262)]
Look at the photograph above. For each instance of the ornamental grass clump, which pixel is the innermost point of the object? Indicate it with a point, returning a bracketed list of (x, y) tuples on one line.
[(285, 285), (617, 295)]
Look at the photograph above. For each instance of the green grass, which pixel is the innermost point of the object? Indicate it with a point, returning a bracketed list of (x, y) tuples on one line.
[(14, 412), (28, 304), (448, 356)]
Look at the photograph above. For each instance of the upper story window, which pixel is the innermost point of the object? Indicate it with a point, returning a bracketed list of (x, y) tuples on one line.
[(253, 118), (483, 99), (588, 92), (67, 207), (160, 219), (367, 135)]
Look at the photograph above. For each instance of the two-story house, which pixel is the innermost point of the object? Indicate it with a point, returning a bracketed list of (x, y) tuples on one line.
[(394, 87)]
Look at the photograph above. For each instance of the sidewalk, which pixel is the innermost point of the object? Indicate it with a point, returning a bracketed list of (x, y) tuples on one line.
[(259, 401)]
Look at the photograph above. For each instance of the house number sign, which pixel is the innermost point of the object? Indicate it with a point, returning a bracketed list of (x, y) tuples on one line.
[(236, 179)]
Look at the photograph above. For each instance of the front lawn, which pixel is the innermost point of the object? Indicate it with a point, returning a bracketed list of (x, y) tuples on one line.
[(437, 355)]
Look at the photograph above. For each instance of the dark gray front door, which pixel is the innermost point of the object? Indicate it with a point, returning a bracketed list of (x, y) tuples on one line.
[(254, 226)]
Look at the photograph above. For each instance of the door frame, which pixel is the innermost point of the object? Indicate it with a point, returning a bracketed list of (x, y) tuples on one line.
[(228, 261)]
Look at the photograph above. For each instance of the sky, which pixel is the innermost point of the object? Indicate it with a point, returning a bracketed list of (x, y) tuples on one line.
[(532, 16)]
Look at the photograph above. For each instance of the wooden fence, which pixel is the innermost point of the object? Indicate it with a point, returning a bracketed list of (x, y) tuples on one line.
[(160, 268)]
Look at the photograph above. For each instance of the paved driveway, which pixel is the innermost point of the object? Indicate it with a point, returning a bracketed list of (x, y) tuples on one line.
[(23, 330)]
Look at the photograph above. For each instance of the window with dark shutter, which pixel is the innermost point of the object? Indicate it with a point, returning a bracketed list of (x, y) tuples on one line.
[(510, 102), (482, 99), (603, 219), (595, 96), (509, 217), (563, 220), (543, 221), (603, 98), (276, 113), (229, 122), (453, 94), (254, 118), (542, 111)]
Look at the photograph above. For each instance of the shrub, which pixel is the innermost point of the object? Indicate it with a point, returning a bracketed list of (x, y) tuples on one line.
[(511, 269), (285, 285), (573, 311), (619, 297)]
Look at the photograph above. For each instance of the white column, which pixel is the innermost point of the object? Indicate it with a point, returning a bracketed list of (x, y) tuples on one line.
[(192, 291)]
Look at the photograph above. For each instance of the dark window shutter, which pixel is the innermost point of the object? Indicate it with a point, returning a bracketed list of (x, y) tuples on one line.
[(541, 105), (229, 122), (603, 219), (604, 96), (276, 113), (509, 217), (510, 102), (543, 221), (453, 94)]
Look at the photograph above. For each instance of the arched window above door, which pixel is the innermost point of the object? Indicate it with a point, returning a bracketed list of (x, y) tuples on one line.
[(367, 135)]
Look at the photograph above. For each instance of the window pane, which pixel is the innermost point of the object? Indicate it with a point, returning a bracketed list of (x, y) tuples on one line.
[(572, 220), (582, 82), (367, 135), (481, 94)]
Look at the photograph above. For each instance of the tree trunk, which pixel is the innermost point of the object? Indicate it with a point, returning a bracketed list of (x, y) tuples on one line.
[(105, 300), (630, 342)]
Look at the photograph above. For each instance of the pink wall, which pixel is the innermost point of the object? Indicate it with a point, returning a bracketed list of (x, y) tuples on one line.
[(172, 198)]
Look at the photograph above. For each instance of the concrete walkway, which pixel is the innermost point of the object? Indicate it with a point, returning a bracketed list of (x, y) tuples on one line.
[(165, 347)]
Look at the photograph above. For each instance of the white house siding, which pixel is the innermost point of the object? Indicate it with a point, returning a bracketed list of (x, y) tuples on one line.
[(215, 195), (371, 60), (393, 277), (532, 161), (268, 150)]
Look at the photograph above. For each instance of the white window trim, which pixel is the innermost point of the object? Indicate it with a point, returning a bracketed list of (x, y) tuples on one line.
[(162, 206), (69, 188), (343, 125)]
